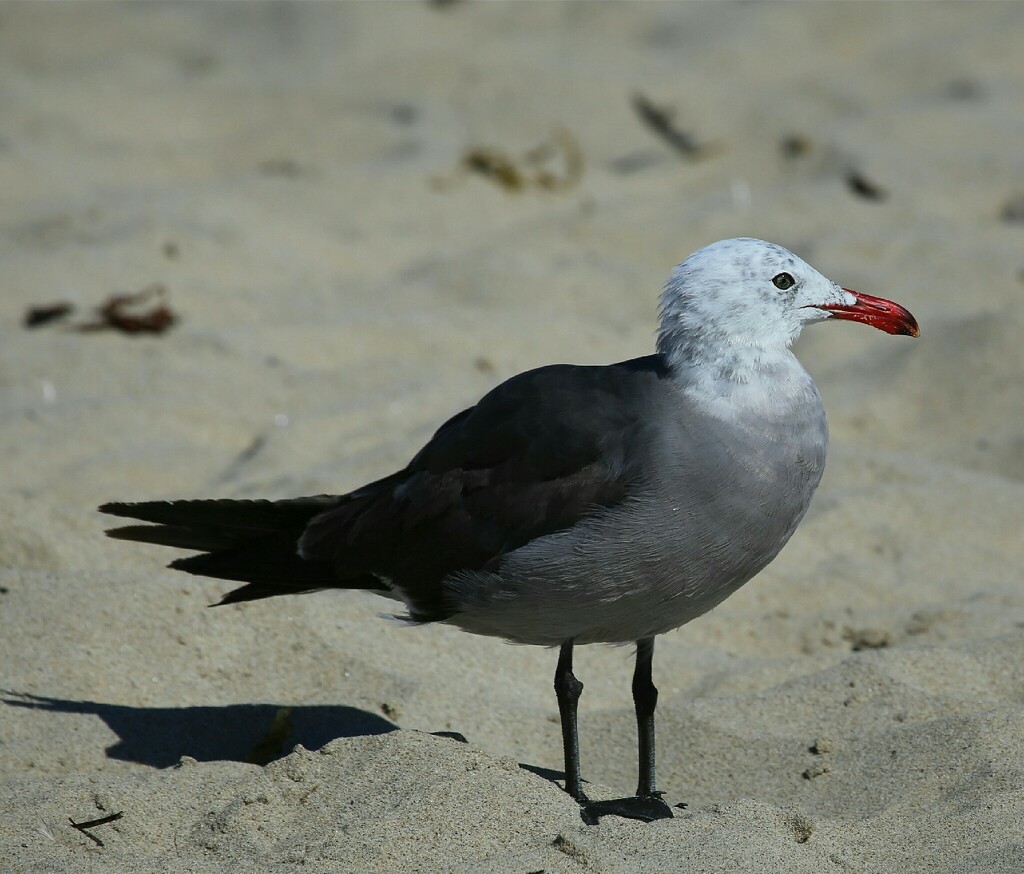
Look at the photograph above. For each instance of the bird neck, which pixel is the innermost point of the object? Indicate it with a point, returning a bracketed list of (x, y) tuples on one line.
[(735, 381)]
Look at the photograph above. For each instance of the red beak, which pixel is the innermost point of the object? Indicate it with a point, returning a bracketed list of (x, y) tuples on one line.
[(877, 312)]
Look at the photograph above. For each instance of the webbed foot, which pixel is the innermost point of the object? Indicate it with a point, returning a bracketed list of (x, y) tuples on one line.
[(645, 808)]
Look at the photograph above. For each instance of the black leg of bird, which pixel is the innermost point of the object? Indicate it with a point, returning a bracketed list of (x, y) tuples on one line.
[(568, 690), (647, 804), (645, 698)]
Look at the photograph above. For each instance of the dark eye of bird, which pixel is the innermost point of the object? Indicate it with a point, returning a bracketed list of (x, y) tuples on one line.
[(783, 281)]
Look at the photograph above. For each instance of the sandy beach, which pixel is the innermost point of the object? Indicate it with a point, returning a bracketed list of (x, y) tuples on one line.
[(360, 218)]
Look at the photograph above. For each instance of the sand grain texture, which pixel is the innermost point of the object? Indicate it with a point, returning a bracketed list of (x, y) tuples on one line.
[(291, 174)]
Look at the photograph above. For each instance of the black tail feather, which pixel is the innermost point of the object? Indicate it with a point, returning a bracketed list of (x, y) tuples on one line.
[(228, 514), (266, 561), (175, 535), (253, 542)]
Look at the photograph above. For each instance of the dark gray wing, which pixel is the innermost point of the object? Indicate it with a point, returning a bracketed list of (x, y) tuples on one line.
[(536, 455)]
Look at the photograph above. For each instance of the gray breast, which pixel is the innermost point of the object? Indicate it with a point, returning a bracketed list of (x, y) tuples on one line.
[(711, 505)]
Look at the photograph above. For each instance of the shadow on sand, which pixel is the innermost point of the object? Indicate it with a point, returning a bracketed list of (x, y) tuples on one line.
[(255, 733)]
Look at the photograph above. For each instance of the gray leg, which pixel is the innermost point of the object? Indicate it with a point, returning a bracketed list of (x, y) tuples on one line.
[(647, 804), (645, 698), (568, 690)]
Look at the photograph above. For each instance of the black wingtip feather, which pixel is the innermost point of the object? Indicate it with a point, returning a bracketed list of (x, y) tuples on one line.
[(252, 542), (116, 508), (173, 535), (225, 513)]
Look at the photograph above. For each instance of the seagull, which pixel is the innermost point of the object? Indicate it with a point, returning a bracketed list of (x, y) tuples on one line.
[(576, 504)]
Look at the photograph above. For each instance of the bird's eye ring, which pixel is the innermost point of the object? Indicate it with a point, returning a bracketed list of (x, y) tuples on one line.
[(783, 281)]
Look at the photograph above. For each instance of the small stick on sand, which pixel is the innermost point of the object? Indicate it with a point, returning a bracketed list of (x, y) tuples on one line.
[(92, 823)]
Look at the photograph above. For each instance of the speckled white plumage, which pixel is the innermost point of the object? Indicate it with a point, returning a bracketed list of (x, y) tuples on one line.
[(725, 325)]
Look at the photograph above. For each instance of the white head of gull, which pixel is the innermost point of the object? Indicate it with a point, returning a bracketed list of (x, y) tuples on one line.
[(732, 310)]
